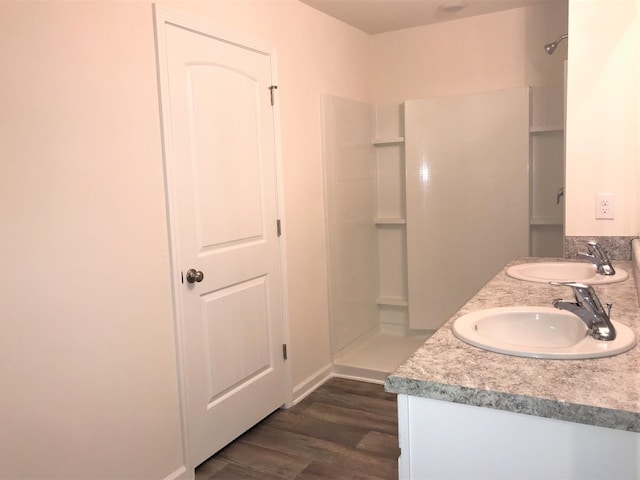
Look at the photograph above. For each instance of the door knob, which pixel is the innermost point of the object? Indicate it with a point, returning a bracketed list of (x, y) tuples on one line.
[(194, 275)]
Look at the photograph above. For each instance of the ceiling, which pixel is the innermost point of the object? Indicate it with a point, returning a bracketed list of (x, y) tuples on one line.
[(378, 16)]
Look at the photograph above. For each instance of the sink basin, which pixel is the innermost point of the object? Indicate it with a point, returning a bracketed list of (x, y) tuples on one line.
[(538, 332), (564, 272)]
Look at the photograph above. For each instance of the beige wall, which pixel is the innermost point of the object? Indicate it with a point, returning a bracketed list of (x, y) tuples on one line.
[(88, 367), (87, 363), (603, 116), (484, 53)]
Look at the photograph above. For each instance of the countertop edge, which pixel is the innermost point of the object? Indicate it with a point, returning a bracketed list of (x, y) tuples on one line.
[(539, 407)]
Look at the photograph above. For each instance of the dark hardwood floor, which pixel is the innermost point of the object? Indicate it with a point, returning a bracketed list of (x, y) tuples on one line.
[(344, 430)]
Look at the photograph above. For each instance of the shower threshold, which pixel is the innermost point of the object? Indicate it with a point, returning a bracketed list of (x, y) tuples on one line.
[(376, 355)]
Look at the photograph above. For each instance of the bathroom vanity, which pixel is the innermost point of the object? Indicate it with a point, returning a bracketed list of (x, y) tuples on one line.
[(467, 413)]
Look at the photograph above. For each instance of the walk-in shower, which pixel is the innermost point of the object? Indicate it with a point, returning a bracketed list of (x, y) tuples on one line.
[(551, 47)]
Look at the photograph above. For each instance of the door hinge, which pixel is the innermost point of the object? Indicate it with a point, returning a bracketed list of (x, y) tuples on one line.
[(271, 89), (279, 227), (284, 351)]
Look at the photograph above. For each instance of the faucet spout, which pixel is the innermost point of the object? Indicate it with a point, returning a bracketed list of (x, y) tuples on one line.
[(598, 258), (589, 309)]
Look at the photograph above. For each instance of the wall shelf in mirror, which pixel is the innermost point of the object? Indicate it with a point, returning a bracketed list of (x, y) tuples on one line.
[(381, 142), (392, 301), (539, 129), (389, 221), (545, 221)]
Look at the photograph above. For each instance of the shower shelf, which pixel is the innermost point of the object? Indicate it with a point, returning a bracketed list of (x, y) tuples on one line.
[(381, 142), (546, 129), (545, 221), (389, 221), (392, 301)]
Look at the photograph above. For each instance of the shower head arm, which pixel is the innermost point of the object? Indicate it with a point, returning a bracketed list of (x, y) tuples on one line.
[(561, 37), (550, 47)]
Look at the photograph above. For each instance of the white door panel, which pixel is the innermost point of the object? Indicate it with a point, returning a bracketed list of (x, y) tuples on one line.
[(225, 123), (220, 162), (235, 321)]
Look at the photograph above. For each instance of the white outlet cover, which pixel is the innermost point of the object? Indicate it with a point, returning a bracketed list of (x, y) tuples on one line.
[(605, 206)]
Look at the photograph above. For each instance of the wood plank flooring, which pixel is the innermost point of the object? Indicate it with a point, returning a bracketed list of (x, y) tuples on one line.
[(344, 430)]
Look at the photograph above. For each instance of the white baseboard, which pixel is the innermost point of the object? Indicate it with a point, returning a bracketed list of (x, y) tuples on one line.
[(309, 384), (181, 474), (360, 374)]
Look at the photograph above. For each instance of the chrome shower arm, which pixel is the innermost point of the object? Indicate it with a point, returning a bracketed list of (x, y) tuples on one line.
[(551, 47)]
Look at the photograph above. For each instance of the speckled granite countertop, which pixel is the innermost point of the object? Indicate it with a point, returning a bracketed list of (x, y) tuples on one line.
[(603, 392)]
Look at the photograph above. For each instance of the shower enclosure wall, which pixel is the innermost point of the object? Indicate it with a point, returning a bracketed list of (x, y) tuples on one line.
[(364, 200), (349, 174), (467, 162), (367, 202)]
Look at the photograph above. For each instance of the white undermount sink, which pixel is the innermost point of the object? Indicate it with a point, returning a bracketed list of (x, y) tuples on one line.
[(538, 332), (581, 272)]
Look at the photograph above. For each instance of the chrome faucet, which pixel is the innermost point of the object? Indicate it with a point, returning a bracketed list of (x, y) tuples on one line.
[(599, 258), (589, 309)]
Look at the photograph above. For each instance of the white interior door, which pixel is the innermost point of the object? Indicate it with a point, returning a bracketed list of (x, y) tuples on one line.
[(221, 178)]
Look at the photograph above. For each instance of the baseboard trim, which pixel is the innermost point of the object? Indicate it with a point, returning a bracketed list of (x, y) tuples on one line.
[(309, 384), (181, 474), (313, 381), (360, 374)]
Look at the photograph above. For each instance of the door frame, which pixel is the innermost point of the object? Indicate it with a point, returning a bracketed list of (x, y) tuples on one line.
[(163, 16)]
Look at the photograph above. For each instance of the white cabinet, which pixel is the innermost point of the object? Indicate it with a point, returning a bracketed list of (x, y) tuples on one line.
[(449, 441)]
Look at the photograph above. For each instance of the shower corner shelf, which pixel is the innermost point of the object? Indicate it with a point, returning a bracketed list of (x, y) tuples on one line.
[(392, 301), (546, 129), (389, 221), (381, 142), (545, 221)]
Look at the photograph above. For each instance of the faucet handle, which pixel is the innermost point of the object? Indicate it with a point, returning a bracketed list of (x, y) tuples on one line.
[(597, 251), (589, 309), (590, 254), (598, 257), (581, 292)]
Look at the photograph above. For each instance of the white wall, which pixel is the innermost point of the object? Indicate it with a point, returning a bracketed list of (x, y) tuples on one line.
[(87, 357), (603, 116), (87, 366), (489, 52)]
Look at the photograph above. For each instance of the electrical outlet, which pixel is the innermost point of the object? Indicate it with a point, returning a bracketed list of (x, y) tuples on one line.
[(605, 206)]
